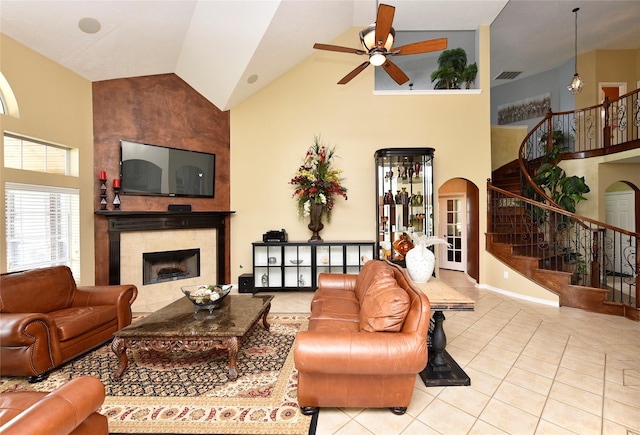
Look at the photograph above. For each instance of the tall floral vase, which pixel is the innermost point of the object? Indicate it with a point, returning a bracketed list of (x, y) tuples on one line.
[(315, 213), (420, 263)]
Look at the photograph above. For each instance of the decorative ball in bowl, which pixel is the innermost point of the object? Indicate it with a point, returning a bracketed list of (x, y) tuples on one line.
[(206, 297)]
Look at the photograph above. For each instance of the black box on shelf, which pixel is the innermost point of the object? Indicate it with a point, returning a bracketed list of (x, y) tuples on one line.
[(245, 283)]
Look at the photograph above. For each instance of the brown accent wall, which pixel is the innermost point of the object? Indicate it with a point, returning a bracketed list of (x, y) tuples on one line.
[(160, 110)]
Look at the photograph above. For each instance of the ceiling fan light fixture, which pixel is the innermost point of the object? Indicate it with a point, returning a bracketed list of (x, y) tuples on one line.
[(377, 58), (368, 38)]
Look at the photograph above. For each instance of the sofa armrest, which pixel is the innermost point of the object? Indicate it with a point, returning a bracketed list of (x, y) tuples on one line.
[(104, 295), (360, 353), (341, 281), (29, 345), (23, 329), (120, 295), (62, 410)]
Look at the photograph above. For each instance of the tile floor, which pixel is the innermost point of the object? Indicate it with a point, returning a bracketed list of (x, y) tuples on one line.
[(534, 369)]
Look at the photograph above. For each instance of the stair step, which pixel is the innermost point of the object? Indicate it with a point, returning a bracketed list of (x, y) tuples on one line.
[(557, 281)]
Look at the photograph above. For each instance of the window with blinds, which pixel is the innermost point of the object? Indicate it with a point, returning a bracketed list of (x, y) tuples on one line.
[(42, 227)]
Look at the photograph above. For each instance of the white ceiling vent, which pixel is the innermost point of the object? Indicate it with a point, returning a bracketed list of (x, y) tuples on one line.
[(508, 75)]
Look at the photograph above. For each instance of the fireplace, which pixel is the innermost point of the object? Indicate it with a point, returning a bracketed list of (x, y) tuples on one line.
[(130, 221), (132, 233), (170, 265)]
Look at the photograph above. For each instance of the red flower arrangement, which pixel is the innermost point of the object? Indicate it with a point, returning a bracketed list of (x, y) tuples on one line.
[(316, 181)]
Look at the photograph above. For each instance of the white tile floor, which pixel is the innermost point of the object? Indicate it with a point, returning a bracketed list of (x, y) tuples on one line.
[(534, 369)]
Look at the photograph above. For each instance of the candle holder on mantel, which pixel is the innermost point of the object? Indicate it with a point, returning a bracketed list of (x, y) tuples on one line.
[(116, 198), (103, 193), (116, 194)]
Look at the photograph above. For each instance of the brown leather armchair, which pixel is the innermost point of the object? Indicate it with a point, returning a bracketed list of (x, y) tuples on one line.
[(45, 320), (366, 341), (71, 409)]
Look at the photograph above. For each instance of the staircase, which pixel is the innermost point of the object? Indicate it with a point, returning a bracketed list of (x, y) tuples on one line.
[(590, 265)]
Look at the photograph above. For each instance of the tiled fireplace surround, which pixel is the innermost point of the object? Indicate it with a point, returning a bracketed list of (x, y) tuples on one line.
[(131, 234), (152, 297)]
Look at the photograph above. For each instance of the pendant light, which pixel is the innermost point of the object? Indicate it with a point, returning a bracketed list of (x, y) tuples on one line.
[(576, 84)]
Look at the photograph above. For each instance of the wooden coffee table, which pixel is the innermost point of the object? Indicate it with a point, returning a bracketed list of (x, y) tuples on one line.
[(178, 328)]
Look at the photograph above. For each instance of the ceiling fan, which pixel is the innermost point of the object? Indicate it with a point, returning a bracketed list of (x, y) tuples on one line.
[(377, 42)]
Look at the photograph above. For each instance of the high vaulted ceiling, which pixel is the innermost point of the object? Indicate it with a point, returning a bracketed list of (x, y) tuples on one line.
[(220, 46)]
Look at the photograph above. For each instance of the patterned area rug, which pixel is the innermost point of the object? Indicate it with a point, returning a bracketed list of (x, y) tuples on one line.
[(190, 393)]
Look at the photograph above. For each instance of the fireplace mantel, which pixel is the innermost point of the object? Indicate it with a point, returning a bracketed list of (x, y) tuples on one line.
[(122, 221)]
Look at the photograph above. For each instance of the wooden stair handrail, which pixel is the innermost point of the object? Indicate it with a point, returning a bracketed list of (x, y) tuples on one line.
[(573, 216), (548, 118)]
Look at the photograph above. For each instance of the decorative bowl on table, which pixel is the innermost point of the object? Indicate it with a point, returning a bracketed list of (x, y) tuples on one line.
[(206, 297)]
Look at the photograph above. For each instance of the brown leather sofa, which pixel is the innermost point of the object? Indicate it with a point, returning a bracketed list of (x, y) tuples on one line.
[(46, 320), (71, 409), (366, 341)]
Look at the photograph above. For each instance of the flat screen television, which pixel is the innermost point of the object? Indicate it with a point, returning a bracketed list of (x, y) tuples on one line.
[(147, 169)]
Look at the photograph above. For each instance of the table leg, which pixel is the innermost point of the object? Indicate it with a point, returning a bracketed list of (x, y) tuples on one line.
[(438, 343), (118, 347), (264, 317), (441, 370), (232, 345)]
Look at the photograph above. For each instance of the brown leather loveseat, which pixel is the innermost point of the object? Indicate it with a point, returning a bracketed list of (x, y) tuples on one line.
[(366, 341), (71, 409), (46, 320)]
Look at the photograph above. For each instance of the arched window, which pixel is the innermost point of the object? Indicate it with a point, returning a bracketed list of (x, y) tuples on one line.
[(8, 102)]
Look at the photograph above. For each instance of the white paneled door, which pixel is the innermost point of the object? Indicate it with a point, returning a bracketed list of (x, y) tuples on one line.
[(620, 212), (453, 226)]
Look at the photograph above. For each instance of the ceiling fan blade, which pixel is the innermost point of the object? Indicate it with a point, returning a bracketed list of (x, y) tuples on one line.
[(420, 47), (395, 72), (338, 48), (383, 24), (346, 79)]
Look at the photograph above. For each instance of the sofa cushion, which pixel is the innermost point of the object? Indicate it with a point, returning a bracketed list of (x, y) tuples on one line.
[(333, 326), (372, 271), (72, 322), (324, 294), (37, 290), (336, 309), (384, 307)]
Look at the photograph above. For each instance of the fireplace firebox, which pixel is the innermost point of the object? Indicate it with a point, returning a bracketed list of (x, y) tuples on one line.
[(170, 265)]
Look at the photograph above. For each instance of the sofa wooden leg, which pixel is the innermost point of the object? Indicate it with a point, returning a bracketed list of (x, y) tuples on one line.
[(308, 410), (41, 377), (399, 410)]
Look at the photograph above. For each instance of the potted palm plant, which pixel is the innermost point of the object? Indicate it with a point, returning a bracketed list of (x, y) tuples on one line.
[(453, 71)]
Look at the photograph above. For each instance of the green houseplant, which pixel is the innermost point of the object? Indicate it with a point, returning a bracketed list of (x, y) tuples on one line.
[(564, 190), (453, 70)]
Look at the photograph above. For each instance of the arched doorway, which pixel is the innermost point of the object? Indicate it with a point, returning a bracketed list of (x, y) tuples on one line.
[(459, 224)]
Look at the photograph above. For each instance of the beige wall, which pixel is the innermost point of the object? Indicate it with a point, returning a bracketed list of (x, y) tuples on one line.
[(505, 144), (55, 106), (617, 66), (601, 66), (271, 131), (599, 173)]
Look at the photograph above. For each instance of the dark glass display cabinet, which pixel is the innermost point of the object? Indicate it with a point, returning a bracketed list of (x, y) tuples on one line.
[(404, 196)]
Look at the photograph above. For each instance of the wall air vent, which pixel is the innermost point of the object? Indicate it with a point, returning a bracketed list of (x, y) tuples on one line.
[(508, 75)]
